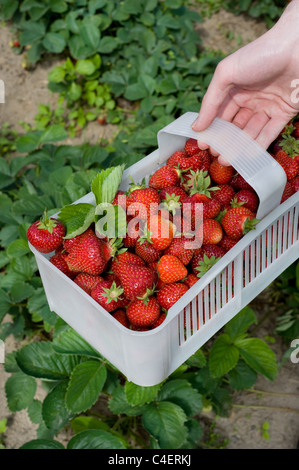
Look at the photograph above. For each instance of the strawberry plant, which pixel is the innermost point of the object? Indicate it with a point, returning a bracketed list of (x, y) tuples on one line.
[(165, 416)]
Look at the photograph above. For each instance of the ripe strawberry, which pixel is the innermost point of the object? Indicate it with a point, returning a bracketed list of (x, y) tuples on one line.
[(147, 251), (247, 198), (159, 232), (184, 162), (60, 263), (211, 208), (136, 280), (126, 257), (120, 199), (224, 194), (289, 165), (198, 182), (120, 315), (295, 184), (88, 255), (238, 182), (142, 202), (87, 281), (287, 192), (70, 243), (109, 295), (165, 176), (179, 248), (170, 294), (133, 232), (171, 269), (221, 174), (172, 198), (227, 243), (46, 234), (191, 147), (210, 232), (142, 314), (190, 280), (159, 321), (237, 221), (206, 258)]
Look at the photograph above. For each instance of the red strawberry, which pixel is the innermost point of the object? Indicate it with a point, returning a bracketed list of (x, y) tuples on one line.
[(184, 162), (126, 258), (287, 192), (211, 208), (120, 199), (289, 165), (147, 251), (87, 281), (238, 182), (173, 191), (247, 198), (133, 232), (237, 221), (159, 321), (227, 243), (88, 255), (191, 147), (165, 176), (142, 314), (206, 258), (224, 194), (179, 248), (190, 280), (210, 232), (295, 184), (46, 234), (136, 280), (109, 295), (221, 174), (70, 243), (160, 232), (60, 263), (171, 269), (170, 294), (143, 202), (120, 315)]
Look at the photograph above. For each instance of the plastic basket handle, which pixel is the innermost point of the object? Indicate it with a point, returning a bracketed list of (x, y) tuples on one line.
[(248, 158)]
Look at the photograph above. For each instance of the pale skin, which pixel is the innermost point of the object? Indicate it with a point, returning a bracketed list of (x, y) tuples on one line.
[(254, 86)]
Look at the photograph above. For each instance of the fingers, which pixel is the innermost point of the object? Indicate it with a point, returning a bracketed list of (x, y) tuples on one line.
[(270, 131)]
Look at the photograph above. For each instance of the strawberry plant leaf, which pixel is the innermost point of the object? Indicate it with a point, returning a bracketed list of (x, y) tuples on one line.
[(54, 411), (118, 404), (40, 360), (137, 395), (242, 376), (70, 342), (240, 323), (95, 439), (181, 392), (224, 356), (258, 355), (20, 390), (166, 422), (105, 185), (42, 444), (85, 385), (76, 218), (111, 221)]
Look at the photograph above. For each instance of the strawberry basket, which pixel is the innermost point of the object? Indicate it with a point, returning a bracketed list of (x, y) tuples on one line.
[(148, 357)]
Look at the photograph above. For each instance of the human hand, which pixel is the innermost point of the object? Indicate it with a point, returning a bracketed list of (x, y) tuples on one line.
[(253, 86)]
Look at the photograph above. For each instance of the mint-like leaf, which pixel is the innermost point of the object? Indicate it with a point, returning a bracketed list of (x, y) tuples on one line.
[(77, 218), (105, 185)]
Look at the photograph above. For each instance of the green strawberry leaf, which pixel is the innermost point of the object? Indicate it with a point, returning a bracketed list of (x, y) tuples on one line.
[(110, 220), (77, 218), (105, 185)]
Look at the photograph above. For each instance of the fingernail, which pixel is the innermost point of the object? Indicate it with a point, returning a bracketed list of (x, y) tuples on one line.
[(195, 123)]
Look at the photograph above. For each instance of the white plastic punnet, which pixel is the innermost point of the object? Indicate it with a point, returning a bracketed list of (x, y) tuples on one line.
[(149, 357)]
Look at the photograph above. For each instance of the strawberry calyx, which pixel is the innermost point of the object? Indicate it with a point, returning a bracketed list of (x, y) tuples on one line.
[(249, 224), (206, 264), (290, 145), (46, 223), (133, 186), (146, 296), (200, 182), (235, 203), (112, 293), (172, 203)]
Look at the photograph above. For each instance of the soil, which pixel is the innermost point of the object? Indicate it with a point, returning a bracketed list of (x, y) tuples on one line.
[(273, 404)]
